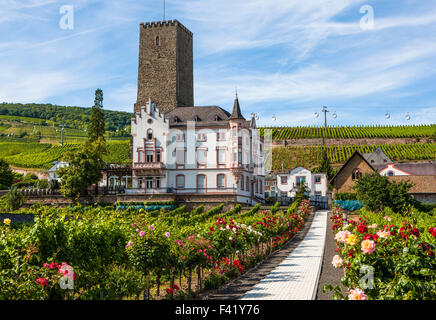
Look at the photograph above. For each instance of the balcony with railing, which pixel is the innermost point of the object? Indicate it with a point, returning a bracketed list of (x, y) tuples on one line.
[(148, 165)]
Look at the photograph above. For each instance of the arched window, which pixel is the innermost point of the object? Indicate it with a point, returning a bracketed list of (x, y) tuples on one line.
[(220, 181), (149, 134), (157, 41), (356, 174), (391, 173)]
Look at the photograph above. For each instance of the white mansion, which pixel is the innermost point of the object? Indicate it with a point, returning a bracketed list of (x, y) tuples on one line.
[(197, 150)]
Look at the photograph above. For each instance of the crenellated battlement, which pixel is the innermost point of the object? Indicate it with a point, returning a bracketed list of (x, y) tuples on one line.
[(165, 23)]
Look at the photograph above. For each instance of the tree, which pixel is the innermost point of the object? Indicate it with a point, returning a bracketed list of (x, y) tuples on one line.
[(6, 175), (376, 192), (13, 200), (325, 165), (97, 126), (302, 193), (84, 169)]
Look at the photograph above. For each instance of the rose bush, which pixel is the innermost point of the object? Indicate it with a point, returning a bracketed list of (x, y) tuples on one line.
[(118, 254), (400, 257)]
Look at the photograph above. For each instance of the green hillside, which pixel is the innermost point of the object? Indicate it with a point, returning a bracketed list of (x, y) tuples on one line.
[(41, 155), (30, 136), (351, 132), (310, 156), (43, 121)]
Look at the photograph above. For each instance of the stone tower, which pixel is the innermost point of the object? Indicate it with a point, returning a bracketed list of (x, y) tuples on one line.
[(166, 72)]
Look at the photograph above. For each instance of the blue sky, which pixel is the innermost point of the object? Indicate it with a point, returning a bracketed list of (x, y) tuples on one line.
[(287, 58)]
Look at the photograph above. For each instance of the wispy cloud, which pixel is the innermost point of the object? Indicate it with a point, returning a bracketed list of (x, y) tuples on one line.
[(285, 56)]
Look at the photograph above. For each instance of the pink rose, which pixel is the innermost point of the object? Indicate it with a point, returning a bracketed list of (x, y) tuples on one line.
[(357, 294), (368, 246)]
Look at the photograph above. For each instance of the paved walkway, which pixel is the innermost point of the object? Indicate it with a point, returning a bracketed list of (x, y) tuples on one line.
[(296, 278)]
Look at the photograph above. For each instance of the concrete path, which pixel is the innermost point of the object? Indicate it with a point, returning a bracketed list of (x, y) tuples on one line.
[(296, 278)]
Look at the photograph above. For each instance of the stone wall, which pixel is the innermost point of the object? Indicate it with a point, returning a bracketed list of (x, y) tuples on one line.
[(332, 142), (39, 174), (165, 71), (191, 201)]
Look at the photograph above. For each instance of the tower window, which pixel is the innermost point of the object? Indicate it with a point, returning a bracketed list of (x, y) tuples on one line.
[(157, 41), (149, 134)]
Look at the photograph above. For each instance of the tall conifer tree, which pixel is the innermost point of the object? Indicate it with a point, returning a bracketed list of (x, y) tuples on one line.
[(97, 126)]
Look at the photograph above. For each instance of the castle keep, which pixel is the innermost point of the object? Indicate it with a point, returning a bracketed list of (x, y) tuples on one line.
[(166, 71)]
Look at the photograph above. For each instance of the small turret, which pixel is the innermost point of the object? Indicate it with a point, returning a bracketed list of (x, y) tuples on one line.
[(236, 114)]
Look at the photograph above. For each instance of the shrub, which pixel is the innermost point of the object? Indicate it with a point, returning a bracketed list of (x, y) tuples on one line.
[(6, 175), (345, 196), (376, 192), (13, 200), (215, 280)]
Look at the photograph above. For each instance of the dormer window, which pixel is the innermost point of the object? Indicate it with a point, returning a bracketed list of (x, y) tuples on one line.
[(197, 118), (217, 118), (176, 119)]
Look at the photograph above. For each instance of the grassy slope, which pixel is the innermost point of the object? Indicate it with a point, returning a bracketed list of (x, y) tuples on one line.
[(40, 156)]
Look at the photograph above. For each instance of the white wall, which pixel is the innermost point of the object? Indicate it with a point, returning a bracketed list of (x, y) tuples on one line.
[(396, 171), (310, 182)]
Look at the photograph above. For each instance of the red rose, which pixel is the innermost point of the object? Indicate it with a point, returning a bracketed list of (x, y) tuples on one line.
[(42, 281), (362, 228), (415, 232), (367, 236), (175, 287), (170, 291)]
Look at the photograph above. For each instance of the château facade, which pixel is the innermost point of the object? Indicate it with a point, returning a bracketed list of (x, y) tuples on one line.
[(197, 150)]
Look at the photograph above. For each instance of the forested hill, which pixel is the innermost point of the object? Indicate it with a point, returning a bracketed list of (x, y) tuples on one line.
[(72, 117)]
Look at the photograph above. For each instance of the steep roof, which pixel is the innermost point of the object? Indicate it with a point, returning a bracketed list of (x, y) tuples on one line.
[(421, 184), (355, 154), (236, 114), (376, 158), (418, 168), (208, 115)]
